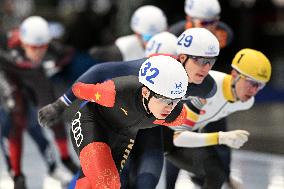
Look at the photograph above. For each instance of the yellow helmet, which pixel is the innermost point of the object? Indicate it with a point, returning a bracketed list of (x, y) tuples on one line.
[(252, 63)]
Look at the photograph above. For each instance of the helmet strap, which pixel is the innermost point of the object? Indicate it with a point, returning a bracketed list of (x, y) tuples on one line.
[(146, 101), (234, 87), (184, 62)]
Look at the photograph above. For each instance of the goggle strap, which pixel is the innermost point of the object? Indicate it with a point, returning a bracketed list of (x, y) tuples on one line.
[(234, 87), (187, 57), (146, 101)]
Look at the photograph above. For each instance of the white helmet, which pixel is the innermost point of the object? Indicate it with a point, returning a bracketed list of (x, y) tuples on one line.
[(165, 76), (148, 20), (203, 9), (198, 42), (164, 42), (35, 31)]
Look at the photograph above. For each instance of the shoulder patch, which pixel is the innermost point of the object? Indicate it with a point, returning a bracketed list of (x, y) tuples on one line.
[(101, 93)]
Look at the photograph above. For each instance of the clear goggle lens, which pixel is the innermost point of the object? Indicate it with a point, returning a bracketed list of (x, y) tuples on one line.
[(253, 83), (166, 100), (207, 22), (203, 60)]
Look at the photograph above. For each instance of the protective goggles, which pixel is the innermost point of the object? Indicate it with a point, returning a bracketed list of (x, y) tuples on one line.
[(207, 22), (166, 100), (253, 83), (203, 60), (146, 37), (36, 47)]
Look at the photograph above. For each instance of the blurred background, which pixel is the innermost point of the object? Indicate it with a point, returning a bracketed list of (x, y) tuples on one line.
[(257, 24)]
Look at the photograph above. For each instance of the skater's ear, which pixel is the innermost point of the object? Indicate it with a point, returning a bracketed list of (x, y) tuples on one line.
[(145, 92)]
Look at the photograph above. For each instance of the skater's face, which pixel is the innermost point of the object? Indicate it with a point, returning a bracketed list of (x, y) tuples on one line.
[(159, 105), (35, 53), (197, 68), (246, 87), (209, 24), (144, 39)]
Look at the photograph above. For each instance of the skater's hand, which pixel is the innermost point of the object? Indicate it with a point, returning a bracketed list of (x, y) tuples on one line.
[(51, 114), (233, 139)]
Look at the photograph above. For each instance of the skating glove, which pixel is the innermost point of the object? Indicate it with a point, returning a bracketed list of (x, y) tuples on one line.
[(233, 139), (51, 114)]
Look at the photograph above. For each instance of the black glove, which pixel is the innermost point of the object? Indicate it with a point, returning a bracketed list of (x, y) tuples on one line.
[(51, 114)]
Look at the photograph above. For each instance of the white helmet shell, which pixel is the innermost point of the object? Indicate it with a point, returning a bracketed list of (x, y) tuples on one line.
[(198, 42), (202, 9), (35, 31), (165, 43), (164, 75), (148, 20)]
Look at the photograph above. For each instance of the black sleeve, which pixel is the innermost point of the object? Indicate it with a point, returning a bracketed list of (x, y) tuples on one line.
[(7, 63), (42, 88), (106, 53)]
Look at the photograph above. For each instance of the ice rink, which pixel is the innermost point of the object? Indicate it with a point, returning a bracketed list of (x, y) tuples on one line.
[(263, 169), (257, 170)]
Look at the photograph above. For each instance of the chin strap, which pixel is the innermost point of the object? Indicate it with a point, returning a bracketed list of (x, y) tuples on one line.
[(234, 87), (183, 64), (146, 102)]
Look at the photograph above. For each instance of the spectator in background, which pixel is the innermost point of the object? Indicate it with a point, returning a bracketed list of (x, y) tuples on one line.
[(146, 21), (88, 22), (25, 65), (13, 12)]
